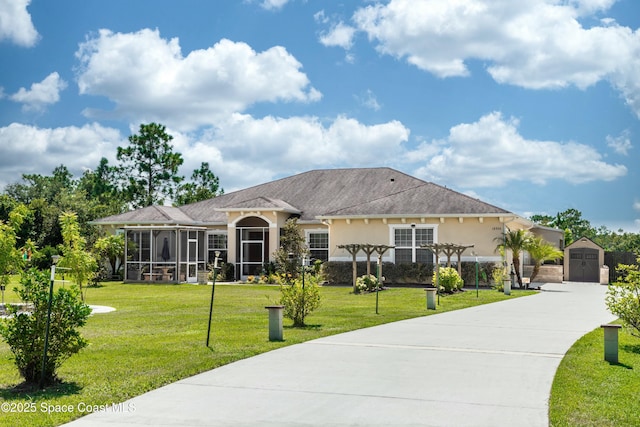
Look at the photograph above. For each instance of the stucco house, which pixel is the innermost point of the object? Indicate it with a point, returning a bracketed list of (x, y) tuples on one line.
[(334, 207)]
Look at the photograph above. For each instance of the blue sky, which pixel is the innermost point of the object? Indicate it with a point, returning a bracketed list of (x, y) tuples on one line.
[(532, 105)]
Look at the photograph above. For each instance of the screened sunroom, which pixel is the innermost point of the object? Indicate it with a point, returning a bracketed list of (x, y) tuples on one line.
[(166, 254)]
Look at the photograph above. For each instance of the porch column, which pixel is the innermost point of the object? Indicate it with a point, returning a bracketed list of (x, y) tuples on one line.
[(232, 244)]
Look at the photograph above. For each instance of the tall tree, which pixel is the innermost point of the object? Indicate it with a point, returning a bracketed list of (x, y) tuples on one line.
[(10, 258), (204, 185), (292, 249), (572, 220), (82, 264), (149, 167)]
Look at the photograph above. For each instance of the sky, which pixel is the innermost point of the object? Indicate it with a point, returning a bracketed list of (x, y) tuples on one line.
[(530, 105)]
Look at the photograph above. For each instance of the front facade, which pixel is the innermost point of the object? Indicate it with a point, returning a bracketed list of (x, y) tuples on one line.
[(333, 207)]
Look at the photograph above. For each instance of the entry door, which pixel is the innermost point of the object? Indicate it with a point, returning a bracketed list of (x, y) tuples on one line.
[(584, 265), (253, 244)]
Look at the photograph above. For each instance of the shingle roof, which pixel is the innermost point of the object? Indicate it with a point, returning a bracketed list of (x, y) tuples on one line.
[(149, 215), (327, 193)]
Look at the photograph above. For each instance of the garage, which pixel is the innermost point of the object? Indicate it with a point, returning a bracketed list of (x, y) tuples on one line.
[(583, 260)]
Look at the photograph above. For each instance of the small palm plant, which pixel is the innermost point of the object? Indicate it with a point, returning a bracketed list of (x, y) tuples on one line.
[(541, 251), (516, 241)]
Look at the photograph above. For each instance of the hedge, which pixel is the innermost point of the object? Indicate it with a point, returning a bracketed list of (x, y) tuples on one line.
[(341, 273)]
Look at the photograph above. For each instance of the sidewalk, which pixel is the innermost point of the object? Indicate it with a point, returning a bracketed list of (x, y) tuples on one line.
[(491, 365)]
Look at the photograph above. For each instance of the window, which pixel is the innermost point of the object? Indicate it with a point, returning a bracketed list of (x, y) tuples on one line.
[(318, 242), (216, 241), (407, 241)]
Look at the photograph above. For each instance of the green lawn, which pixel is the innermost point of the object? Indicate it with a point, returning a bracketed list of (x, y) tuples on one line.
[(588, 391), (157, 336)]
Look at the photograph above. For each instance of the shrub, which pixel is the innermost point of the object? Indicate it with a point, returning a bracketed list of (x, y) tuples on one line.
[(623, 297), (340, 272), (225, 272), (367, 283), (299, 301), (449, 279), (498, 275), (25, 331)]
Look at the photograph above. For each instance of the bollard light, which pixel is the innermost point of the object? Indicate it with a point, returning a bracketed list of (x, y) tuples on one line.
[(611, 342), (275, 322)]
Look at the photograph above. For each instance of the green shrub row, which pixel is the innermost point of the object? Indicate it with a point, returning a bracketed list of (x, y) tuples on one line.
[(341, 273)]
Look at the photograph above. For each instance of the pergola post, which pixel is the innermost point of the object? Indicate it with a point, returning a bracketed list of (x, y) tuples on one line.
[(368, 249), (353, 249), (447, 249)]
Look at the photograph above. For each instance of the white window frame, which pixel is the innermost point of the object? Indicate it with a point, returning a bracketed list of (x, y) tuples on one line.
[(218, 232), (308, 234), (413, 228)]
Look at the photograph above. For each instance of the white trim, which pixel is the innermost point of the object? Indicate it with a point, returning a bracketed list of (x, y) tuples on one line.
[(270, 224)]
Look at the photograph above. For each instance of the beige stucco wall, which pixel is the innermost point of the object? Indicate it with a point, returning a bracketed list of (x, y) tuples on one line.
[(482, 232), (459, 230)]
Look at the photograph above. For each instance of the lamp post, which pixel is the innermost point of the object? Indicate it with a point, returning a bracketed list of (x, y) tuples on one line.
[(475, 254), (54, 261), (213, 290), (379, 279)]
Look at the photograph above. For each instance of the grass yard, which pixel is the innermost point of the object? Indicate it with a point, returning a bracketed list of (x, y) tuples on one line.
[(158, 333), (587, 391)]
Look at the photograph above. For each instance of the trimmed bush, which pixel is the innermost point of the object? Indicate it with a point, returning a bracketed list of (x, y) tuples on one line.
[(340, 272), (367, 283), (449, 280)]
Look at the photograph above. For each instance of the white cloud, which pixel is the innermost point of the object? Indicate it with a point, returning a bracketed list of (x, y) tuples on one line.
[(272, 146), (369, 100), (320, 17), (41, 94), (535, 44), (149, 79), (15, 23), (273, 4), (620, 144), (29, 149), (491, 153), (340, 35), (587, 7)]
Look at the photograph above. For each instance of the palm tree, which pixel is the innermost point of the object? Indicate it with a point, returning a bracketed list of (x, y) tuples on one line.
[(541, 251), (516, 241)]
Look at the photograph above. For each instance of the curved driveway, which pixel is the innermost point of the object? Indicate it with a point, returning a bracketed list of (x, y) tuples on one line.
[(491, 365)]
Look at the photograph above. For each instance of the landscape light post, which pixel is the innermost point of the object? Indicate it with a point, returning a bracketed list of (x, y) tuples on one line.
[(379, 279), (54, 261), (213, 290), (476, 255)]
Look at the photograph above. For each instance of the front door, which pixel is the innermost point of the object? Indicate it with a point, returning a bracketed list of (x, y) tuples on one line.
[(253, 248)]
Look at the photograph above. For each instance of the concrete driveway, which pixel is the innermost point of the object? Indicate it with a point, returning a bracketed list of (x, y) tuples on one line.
[(491, 365)]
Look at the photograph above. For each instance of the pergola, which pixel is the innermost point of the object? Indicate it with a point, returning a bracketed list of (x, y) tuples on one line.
[(368, 249), (448, 249)]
